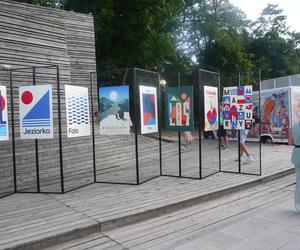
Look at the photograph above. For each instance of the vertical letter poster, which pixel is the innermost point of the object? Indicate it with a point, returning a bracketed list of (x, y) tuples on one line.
[(179, 108), (78, 113), (237, 107), (211, 108), (148, 108), (36, 118), (3, 115), (114, 110)]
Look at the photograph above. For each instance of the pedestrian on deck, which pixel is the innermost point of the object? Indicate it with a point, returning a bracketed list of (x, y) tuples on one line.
[(222, 133), (296, 162), (243, 148), (188, 137)]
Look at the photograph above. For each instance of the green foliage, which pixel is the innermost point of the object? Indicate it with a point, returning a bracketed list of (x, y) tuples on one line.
[(273, 46), (214, 35), (47, 3), (133, 33), (176, 35)]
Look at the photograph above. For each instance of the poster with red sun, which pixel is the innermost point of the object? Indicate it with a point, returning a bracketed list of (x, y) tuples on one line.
[(36, 116), (4, 135), (179, 108), (148, 108), (211, 108)]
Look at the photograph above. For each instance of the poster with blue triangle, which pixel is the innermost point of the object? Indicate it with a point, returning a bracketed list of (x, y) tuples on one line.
[(4, 135), (36, 115)]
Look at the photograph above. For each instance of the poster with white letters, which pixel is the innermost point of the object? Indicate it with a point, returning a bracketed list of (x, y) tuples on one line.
[(36, 115), (78, 114)]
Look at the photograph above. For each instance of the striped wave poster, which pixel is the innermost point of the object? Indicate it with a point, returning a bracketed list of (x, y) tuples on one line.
[(78, 114)]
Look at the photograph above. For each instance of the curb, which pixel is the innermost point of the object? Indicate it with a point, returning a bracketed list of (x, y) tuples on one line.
[(156, 212), (52, 241)]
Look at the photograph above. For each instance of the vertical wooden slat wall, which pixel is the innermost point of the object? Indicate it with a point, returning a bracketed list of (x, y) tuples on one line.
[(38, 36)]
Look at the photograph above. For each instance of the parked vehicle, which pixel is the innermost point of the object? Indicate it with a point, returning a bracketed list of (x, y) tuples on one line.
[(280, 109)]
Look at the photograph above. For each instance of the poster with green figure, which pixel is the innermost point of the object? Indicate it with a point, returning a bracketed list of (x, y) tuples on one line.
[(179, 108)]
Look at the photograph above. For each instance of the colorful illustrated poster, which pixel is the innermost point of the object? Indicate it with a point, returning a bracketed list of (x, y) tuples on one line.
[(295, 102), (179, 108), (211, 108), (36, 117), (148, 108), (275, 112), (4, 135), (114, 110), (78, 113), (237, 107)]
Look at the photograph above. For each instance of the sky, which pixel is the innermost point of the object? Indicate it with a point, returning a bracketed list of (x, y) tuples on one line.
[(253, 8)]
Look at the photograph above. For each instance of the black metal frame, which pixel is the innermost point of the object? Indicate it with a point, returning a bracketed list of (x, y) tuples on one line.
[(201, 103), (37, 169), (136, 113), (240, 169)]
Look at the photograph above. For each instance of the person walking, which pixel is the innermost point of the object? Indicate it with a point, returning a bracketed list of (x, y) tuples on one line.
[(222, 133), (188, 137), (243, 148), (296, 162)]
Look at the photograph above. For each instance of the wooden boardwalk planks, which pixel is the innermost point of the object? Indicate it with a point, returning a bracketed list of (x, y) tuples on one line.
[(32, 217)]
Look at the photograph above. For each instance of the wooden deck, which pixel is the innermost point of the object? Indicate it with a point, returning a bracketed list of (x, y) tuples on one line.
[(44, 219), (206, 222)]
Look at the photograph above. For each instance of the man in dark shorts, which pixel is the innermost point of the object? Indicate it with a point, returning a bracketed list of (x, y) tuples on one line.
[(222, 133)]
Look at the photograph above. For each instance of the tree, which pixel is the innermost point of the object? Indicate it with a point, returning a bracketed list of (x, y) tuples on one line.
[(212, 32), (133, 33), (274, 48), (47, 3)]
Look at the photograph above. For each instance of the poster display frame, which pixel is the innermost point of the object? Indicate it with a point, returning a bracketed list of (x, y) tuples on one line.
[(4, 113), (26, 97), (207, 88), (80, 97), (148, 90), (122, 118), (179, 90)]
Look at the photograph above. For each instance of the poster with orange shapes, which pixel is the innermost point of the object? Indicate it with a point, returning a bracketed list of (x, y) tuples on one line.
[(179, 108)]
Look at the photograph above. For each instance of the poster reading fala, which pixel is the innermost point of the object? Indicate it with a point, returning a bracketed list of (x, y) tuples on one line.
[(148, 108), (179, 108), (211, 108), (36, 116), (78, 113), (237, 107), (4, 135), (114, 110)]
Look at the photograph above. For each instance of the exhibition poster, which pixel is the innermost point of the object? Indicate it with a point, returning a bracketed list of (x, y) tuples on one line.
[(211, 108), (114, 110), (4, 135), (237, 107), (148, 109), (78, 113), (275, 110), (36, 115), (295, 101), (179, 108)]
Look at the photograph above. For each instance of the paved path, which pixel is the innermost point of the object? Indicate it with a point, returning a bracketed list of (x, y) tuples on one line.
[(260, 217)]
